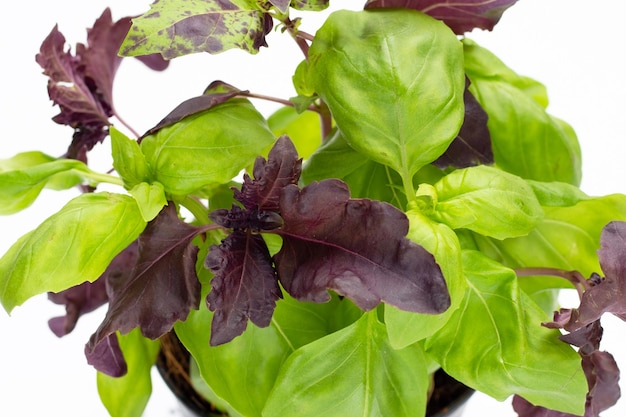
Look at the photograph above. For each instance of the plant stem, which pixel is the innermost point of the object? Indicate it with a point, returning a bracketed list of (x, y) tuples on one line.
[(126, 125), (101, 178), (575, 277), (199, 210)]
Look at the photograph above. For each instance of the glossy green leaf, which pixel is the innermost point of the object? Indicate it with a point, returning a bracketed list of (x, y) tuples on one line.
[(567, 238), (488, 201), (128, 160), (352, 372), (208, 148), (405, 327), (150, 199), (128, 395), (241, 372), (174, 28), (303, 129), (394, 82), (366, 178), (70, 247), (526, 140), (498, 330), (23, 176), (556, 194)]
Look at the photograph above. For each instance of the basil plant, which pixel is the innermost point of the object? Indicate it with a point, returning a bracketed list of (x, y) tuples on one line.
[(413, 208)]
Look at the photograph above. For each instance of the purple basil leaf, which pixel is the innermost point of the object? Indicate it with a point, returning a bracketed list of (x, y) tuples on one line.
[(87, 297), (211, 97), (107, 356), (244, 286), (161, 288), (356, 247), (608, 296), (78, 300), (472, 146), (587, 338), (460, 15), (603, 380), (82, 84), (282, 168), (253, 219)]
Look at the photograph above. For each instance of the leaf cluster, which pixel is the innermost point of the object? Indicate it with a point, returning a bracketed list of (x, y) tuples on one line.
[(413, 207)]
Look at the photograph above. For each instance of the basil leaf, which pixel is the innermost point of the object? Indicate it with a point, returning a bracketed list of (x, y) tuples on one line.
[(526, 140), (150, 199), (567, 238), (128, 160), (498, 330), (70, 247), (207, 148), (400, 112), (368, 377), (488, 201), (23, 176), (303, 129), (405, 327), (128, 395)]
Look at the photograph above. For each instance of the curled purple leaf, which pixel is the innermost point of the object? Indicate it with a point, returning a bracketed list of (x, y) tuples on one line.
[(244, 285), (106, 356), (82, 84), (282, 168), (356, 247), (460, 15)]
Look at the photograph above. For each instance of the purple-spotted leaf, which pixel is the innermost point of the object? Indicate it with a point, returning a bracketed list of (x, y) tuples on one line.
[(82, 84), (282, 168), (461, 15), (211, 97), (356, 247), (107, 356), (182, 28), (281, 5), (244, 286), (310, 5), (88, 296), (161, 288), (472, 146)]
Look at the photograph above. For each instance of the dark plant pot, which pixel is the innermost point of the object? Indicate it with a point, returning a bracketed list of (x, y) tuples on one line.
[(447, 400)]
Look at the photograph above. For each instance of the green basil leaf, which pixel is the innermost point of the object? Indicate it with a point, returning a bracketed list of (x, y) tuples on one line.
[(150, 199), (128, 395), (405, 327), (366, 178), (556, 194), (128, 160), (241, 372), (488, 201), (207, 148), (481, 63), (567, 238), (355, 371), (70, 247), (303, 129), (23, 176), (498, 330), (400, 112), (526, 140)]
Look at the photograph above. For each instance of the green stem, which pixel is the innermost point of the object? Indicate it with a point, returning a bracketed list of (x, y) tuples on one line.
[(199, 210), (101, 178), (409, 190)]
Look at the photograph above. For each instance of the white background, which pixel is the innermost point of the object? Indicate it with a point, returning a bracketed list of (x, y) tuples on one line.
[(573, 46)]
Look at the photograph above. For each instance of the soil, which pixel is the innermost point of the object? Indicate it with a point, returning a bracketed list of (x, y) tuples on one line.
[(173, 365)]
